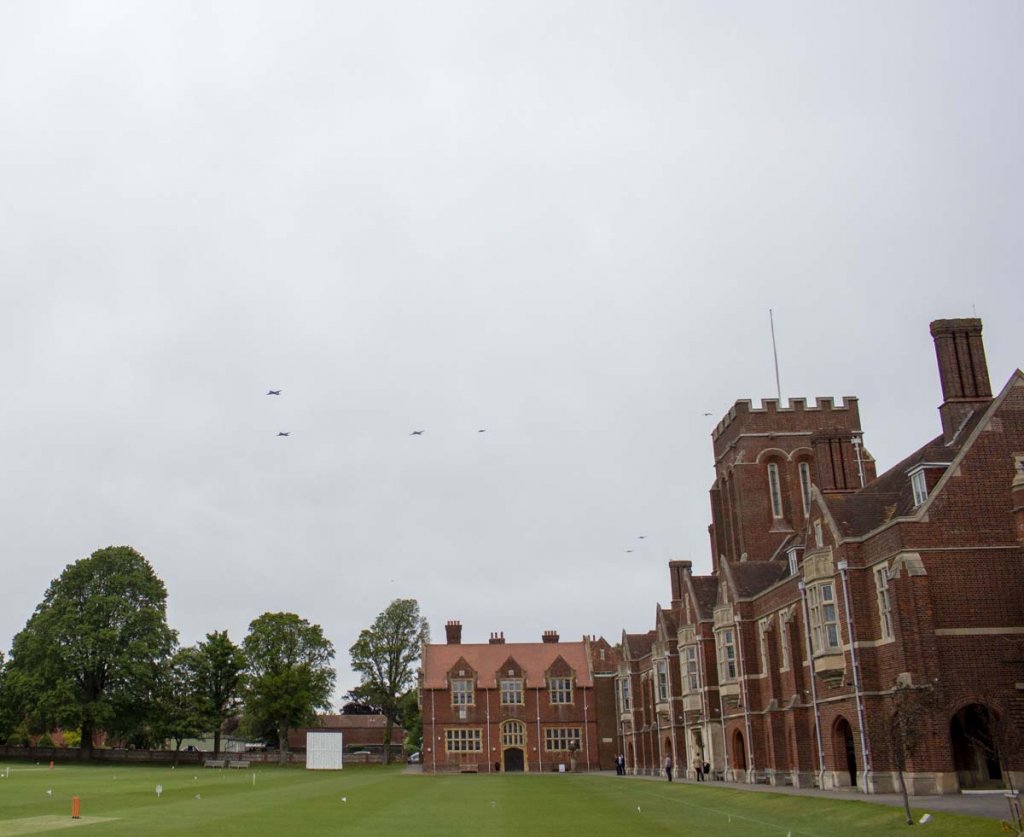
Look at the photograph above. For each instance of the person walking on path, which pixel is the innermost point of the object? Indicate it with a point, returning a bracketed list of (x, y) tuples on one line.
[(698, 768), (668, 767)]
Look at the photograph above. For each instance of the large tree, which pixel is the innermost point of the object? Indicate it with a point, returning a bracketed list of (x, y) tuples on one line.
[(385, 656), (94, 645), (217, 668), (180, 707), (289, 674)]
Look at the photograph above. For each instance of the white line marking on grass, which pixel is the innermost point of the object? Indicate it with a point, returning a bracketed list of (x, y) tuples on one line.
[(729, 814)]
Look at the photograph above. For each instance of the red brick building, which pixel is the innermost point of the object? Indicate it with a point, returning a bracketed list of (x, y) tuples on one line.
[(361, 732), (511, 707), (838, 596)]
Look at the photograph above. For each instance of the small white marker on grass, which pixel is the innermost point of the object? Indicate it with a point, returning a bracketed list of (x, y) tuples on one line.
[(159, 790), (927, 818)]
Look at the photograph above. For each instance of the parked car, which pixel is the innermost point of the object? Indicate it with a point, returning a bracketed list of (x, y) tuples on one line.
[(414, 758)]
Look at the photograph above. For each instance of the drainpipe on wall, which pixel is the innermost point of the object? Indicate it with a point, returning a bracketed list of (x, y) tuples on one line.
[(746, 701), (814, 688), (540, 743), (705, 708), (490, 757), (843, 567), (725, 738), (433, 735), (586, 733)]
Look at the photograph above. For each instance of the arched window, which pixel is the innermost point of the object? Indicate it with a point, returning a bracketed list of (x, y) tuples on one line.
[(513, 734), (775, 489), (805, 485)]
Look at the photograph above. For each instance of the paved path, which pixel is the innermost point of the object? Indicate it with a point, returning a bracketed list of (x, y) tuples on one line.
[(974, 804)]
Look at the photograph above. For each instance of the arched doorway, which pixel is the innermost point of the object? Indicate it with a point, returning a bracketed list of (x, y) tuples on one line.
[(513, 744), (738, 750), (844, 751), (974, 753)]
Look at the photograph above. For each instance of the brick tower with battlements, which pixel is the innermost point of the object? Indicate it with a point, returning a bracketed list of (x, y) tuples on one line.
[(766, 460)]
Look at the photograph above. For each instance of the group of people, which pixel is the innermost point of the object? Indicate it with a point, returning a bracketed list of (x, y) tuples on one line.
[(700, 767)]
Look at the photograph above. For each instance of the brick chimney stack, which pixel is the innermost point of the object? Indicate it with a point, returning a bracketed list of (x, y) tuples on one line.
[(835, 459), (550, 636), (453, 632), (678, 570), (497, 638), (963, 371)]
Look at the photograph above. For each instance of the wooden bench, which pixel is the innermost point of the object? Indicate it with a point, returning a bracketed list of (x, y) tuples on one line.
[(241, 764), (215, 762)]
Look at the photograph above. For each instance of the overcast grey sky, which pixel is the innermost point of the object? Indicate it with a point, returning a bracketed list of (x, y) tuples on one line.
[(564, 222)]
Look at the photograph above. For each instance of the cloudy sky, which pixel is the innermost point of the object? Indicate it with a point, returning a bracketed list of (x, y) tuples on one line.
[(561, 222)]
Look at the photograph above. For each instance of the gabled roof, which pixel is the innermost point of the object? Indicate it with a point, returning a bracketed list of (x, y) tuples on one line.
[(749, 578), (667, 619), (600, 647), (635, 646), (487, 659), (891, 495), (705, 588)]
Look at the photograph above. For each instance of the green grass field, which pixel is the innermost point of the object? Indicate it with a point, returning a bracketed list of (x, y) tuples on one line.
[(385, 801)]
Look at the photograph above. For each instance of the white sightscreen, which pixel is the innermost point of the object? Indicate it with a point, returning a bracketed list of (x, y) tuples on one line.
[(323, 750)]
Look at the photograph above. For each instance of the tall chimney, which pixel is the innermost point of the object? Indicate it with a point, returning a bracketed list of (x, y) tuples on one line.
[(835, 460), (550, 636), (677, 571), (453, 632), (963, 372), (497, 638)]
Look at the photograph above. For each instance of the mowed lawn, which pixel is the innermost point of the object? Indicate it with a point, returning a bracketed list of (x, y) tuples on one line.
[(385, 801)]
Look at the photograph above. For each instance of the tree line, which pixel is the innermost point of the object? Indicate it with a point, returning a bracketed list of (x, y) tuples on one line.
[(98, 655)]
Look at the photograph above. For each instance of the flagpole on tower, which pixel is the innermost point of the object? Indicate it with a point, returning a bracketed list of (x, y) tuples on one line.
[(775, 356)]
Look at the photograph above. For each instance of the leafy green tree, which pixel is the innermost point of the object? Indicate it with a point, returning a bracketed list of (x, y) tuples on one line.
[(412, 721), (289, 674), (218, 668), (356, 703), (94, 645), (180, 712), (385, 656), (7, 719)]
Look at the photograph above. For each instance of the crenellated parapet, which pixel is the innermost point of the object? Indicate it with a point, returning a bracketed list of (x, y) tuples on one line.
[(780, 418)]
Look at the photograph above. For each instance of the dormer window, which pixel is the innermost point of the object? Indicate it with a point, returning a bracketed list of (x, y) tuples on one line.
[(920, 487), (462, 691), (511, 691), (793, 553), (560, 689)]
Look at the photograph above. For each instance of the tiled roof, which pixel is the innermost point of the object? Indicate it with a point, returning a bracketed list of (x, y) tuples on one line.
[(891, 495), (357, 729), (705, 587), (638, 645), (753, 577), (670, 620), (486, 659)]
